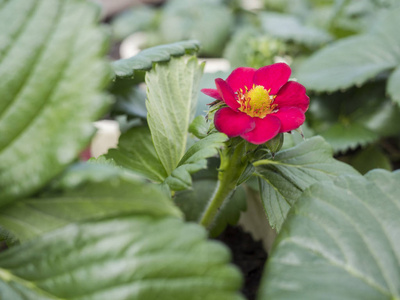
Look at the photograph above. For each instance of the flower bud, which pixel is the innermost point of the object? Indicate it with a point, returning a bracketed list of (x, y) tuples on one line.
[(275, 144)]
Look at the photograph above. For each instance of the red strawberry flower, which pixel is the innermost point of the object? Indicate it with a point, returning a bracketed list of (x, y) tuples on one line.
[(260, 103)]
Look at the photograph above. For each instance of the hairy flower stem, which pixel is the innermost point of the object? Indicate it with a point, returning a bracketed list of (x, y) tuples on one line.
[(233, 163)]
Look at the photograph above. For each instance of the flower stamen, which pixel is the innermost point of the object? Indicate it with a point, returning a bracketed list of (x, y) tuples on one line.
[(256, 102)]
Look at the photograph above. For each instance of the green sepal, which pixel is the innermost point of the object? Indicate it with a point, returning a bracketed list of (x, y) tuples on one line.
[(275, 144)]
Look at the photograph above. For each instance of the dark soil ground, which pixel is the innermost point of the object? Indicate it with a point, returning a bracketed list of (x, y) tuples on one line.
[(248, 255)]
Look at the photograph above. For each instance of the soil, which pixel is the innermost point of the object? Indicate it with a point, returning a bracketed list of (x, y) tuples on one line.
[(248, 255)]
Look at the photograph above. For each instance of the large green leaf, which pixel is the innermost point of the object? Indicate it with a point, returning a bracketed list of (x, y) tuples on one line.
[(51, 76), (209, 21), (130, 99), (138, 18), (194, 160), (85, 192), (355, 60), (393, 87), (384, 121), (343, 137), (171, 104), (372, 157), (356, 117), (145, 59), (340, 241), (289, 28), (126, 258), (136, 152), (284, 178)]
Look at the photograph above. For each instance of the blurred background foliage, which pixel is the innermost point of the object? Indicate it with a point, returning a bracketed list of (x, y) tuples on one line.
[(356, 109)]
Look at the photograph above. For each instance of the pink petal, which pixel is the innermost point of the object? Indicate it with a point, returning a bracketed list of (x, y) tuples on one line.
[(292, 94), (226, 93), (265, 130), (212, 93), (241, 78), (291, 118), (273, 76), (232, 123)]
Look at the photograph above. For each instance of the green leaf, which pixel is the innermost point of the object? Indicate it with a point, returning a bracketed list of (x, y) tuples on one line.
[(52, 75), (207, 81), (356, 117), (194, 160), (383, 119), (370, 158), (210, 22), (354, 60), (289, 28), (348, 136), (246, 175), (126, 258), (237, 51), (130, 99), (135, 19), (199, 127), (393, 85), (144, 60), (172, 95), (283, 179), (102, 160), (136, 152), (86, 192), (294, 138), (340, 239), (349, 62)]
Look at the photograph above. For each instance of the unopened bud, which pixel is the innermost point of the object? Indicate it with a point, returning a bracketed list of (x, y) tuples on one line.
[(275, 144)]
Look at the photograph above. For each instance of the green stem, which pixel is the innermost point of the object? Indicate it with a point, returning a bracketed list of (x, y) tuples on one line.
[(231, 168), (265, 162)]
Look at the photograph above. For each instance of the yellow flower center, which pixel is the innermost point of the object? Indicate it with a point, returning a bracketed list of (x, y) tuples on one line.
[(257, 102)]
